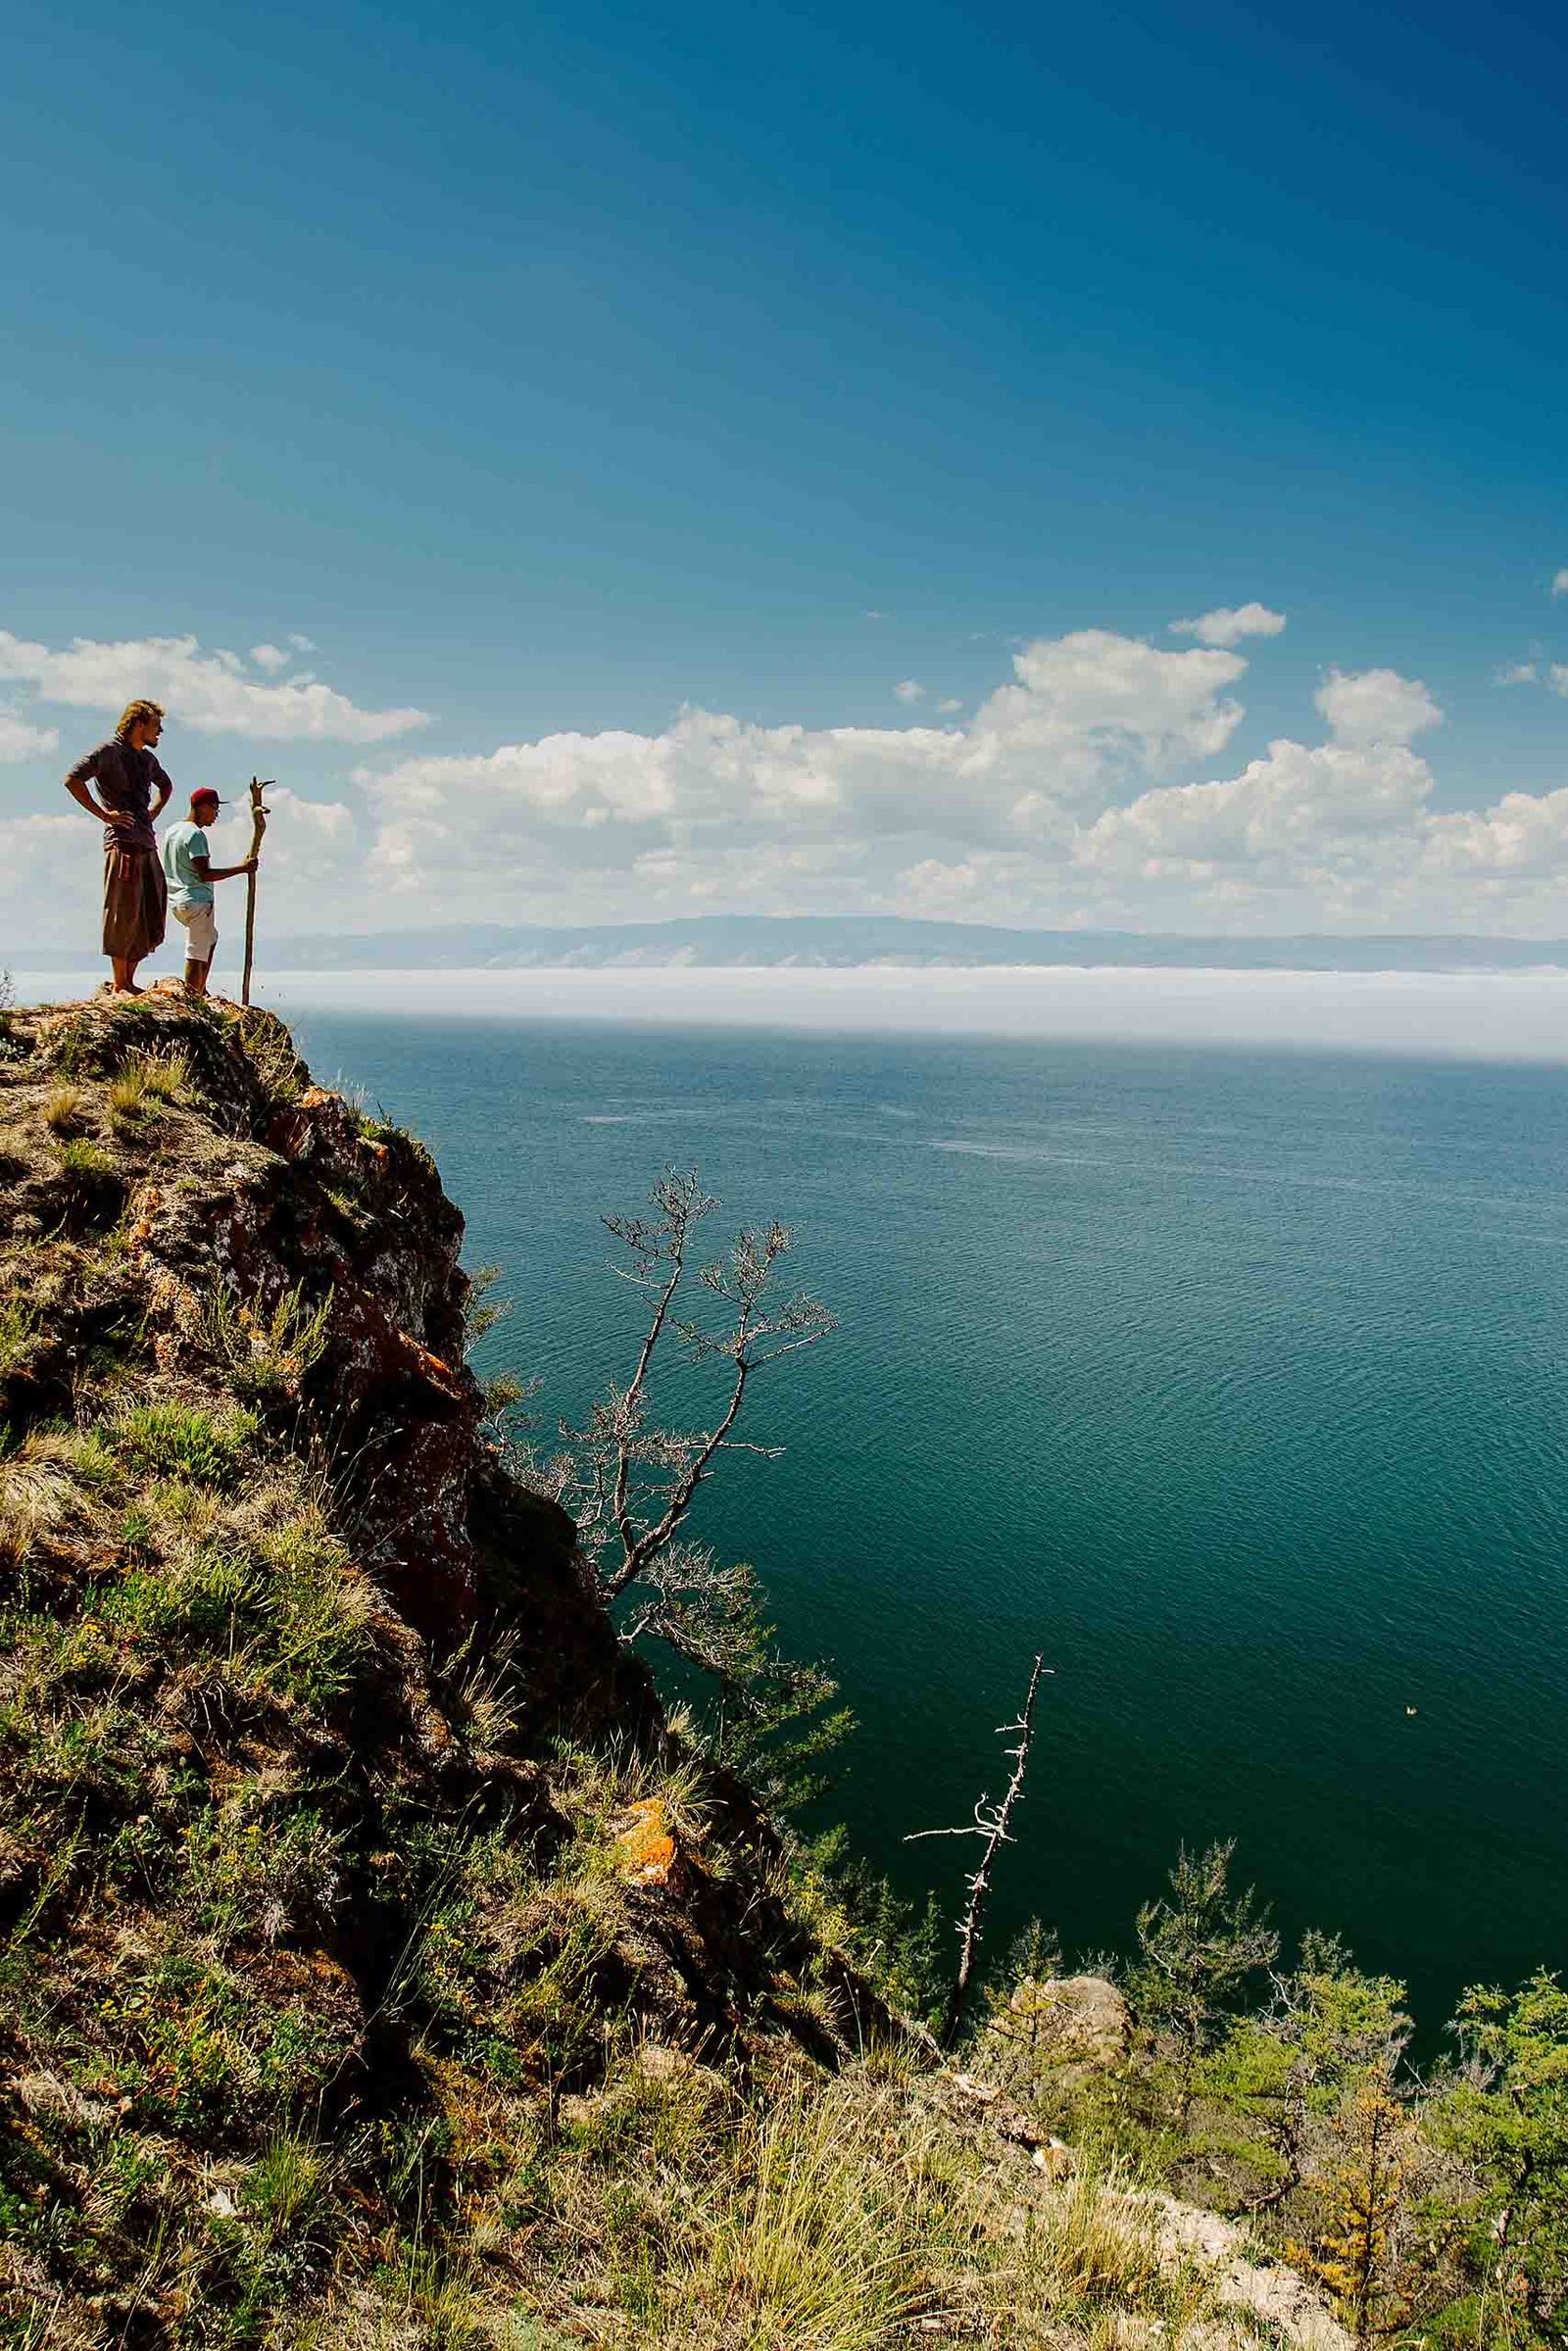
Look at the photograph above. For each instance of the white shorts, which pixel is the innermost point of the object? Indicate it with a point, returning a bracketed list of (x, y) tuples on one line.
[(201, 926)]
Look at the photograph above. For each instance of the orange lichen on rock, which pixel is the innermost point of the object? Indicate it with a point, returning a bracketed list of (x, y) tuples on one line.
[(148, 1202), (646, 1847), (434, 1367)]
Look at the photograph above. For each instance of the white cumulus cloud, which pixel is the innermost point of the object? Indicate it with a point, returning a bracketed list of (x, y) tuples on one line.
[(1316, 805), (1559, 582), (1094, 705), (43, 859), (208, 691), (1096, 786), (18, 740), (909, 689), (1084, 714), (271, 657), (1375, 705), (1228, 624), (1522, 838)]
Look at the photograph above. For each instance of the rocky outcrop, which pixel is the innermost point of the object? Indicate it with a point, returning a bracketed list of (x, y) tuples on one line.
[(340, 1831), (1056, 2033), (255, 1206)]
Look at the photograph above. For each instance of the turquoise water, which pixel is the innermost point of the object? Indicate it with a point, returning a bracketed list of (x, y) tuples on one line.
[(1234, 1380)]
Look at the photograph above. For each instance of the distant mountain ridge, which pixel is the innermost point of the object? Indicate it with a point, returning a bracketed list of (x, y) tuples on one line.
[(844, 940), (721, 942)]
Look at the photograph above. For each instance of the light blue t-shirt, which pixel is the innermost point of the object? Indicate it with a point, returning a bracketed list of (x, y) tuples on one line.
[(183, 843)]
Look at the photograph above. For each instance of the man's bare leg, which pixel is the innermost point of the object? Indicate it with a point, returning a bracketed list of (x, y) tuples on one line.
[(125, 970), (195, 978)]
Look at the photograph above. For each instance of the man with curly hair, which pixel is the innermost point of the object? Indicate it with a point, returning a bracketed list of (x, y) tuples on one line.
[(127, 774)]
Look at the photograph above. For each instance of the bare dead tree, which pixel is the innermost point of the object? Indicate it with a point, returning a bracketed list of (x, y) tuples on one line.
[(629, 1483), (993, 1824)]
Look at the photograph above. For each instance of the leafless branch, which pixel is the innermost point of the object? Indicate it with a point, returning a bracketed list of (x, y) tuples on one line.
[(993, 1824), (630, 1484)]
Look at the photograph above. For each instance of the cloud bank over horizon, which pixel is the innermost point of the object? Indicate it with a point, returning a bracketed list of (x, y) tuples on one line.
[(1094, 786)]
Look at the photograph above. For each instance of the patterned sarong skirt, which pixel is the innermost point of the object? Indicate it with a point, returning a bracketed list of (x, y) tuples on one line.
[(135, 899)]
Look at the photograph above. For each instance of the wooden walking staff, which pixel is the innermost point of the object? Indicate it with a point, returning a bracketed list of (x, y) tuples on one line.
[(258, 828)]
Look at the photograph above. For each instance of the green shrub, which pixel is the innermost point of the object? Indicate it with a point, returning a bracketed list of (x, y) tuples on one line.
[(210, 1448), (256, 1872), (19, 1328), (199, 1601), (95, 1191), (266, 1356), (316, 1612), (201, 2051), (87, 1165)]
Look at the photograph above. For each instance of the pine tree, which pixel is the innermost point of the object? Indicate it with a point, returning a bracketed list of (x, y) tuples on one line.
[(1327, 2030), (1198, 1949), (1506, 2118), (1354, 2254)]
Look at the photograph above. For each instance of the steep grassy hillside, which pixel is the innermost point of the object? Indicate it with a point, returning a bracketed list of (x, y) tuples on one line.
[(380, 1966)]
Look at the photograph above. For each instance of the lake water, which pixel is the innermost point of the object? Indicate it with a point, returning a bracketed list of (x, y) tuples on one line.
[(1233, 1376), (1234, 1380)]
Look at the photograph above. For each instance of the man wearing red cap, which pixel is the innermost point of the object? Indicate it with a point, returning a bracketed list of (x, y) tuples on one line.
[(190, 874)]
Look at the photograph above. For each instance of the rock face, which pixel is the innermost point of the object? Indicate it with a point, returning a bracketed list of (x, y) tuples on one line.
[(253, 1205), (1033, 2164), (1081, 2020)]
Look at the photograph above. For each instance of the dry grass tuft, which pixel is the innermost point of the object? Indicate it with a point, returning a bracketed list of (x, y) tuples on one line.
[(127, 1095), (57, 1479), (272, 1057), (147, 1082), (64, 1110), (829, 2234), (167, 1075)]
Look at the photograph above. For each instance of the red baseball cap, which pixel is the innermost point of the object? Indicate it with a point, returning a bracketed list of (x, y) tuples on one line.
[(205, 792)]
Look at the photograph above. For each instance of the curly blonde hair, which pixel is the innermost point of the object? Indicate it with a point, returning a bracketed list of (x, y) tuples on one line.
[(134, 714)]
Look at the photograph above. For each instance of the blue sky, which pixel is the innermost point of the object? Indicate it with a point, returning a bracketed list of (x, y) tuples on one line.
[(552, 372)]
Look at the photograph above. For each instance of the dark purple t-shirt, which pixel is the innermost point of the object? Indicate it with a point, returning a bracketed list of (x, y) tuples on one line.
[(126, 779)]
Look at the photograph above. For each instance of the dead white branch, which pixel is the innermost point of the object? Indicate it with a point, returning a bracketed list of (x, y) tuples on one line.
[(992, 1825)]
